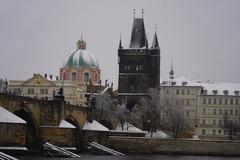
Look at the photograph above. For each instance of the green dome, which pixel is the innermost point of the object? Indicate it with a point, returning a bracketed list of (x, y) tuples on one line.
[(81, 58)]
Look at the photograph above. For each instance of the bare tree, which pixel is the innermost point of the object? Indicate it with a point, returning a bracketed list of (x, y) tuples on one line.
[(232, 126), (151, 110)]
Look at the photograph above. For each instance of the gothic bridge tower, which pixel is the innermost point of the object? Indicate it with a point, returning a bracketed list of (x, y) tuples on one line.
[(139, 66)]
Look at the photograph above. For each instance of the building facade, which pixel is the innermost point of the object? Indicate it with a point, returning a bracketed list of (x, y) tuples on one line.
[(139, 66)]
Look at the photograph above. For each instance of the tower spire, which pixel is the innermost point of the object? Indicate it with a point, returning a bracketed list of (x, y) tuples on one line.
[(155, 39), (171, 73), (120, 42)]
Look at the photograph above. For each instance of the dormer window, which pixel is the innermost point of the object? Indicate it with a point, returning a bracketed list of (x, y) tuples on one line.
[(204, 92), (184, 83), (225, 92), (236, 93), (173, 83), (215, 92)]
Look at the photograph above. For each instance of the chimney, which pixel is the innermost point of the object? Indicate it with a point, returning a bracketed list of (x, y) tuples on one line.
[(57, 78), (50, 76), (45, 75)]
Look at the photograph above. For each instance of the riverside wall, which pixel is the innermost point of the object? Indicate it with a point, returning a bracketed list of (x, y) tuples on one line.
[(142, 145)]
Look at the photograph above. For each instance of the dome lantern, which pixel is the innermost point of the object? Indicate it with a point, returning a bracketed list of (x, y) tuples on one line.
[(81, 44)]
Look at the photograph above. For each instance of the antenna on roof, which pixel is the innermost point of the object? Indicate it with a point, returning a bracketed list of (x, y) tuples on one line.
[(134, 10), (142, 12)]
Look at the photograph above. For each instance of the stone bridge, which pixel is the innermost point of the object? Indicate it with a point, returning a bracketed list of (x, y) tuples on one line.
[(43, 118)]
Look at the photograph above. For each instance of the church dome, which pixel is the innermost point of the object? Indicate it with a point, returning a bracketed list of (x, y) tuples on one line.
[(81, 57)]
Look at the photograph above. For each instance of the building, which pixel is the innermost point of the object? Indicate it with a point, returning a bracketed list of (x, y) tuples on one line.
[(218, 112), (79, 70), (210, 110), (139, 66)]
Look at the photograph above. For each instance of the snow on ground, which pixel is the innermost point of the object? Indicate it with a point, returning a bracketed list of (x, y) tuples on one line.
[(94, 126), (158, 134), (65, 124), (127, 127), (9, 117)]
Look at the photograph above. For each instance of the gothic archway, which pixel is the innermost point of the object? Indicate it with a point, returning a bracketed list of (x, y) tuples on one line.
[(32, 134)]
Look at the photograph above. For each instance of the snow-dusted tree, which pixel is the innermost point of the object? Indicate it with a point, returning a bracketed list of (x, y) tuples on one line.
[(3, 85), (151, 110), (102, 104), (173, 115), (230, 125)]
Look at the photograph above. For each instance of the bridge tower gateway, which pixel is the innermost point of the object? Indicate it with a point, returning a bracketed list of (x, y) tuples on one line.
[(139, 65)]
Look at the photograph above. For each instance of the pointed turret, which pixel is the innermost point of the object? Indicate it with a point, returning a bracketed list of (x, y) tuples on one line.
[(138, 38), (171, 73), (155, 41), (120, 43)]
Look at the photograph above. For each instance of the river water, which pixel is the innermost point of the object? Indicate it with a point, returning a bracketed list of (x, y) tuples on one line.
[(134, 157)]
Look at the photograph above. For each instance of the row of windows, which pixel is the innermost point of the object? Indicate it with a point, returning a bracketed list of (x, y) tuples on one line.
[(42, 91), (214, 132), (178, 92), (74, 76), (178, 102), (220, 111), (220, 101), (136, 68)]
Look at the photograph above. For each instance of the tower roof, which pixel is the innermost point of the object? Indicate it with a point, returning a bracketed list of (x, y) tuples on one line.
[(155, 41), (138, 38)]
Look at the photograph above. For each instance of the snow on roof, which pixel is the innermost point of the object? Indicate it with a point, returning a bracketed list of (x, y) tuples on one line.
[(211, 87), (9, 117), (158, 134), (94, 126), (65, 124), (127, 127)]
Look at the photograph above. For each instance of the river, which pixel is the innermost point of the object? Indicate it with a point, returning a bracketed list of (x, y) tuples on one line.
[(134, 157)]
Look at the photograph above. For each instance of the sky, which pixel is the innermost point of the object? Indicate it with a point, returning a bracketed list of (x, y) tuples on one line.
[(202, 37)]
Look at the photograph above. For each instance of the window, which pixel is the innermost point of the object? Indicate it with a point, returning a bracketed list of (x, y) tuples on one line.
[(183, 92), (214, 101), (213, 131), (30, 91), (188, 102), (219, 122), (214, 111), (231, 111), (219, 131), (74, 76), (188, 113), (188, 91), (204, 110), (209, 100), (236, 101), (214, 122), (220, 111), (203, 131), (236, 112), (177, 91), (203, 122), (86, 77), (182, 102), (226, 101), (231, 101), (204, 100), (225, 111), (220, 101), (167, 91), (43, 91)]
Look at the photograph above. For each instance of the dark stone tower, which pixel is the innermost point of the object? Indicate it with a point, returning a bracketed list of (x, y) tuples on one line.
[(139, 66)]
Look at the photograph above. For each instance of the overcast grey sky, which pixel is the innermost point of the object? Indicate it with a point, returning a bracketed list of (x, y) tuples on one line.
[(201, 36)]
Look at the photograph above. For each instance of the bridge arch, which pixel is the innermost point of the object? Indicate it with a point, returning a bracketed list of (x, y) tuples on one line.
[(32, 130), (78, 134)]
